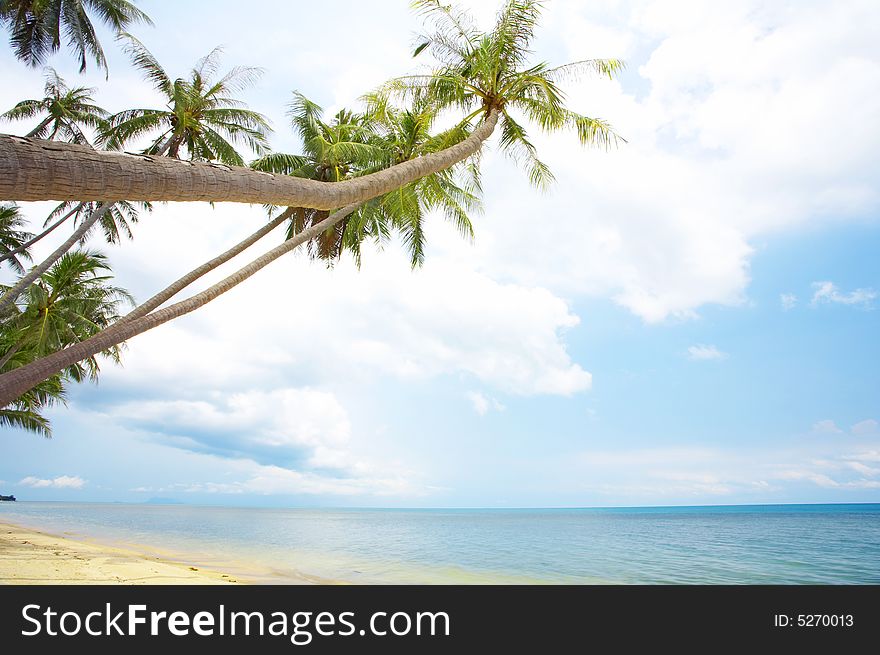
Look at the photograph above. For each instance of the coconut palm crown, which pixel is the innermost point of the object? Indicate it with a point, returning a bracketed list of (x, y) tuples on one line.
[(333, 150), (72, 301), (36, 27), (13, 239), (201, 117), (63, 112), (354, 144), (480, 72)]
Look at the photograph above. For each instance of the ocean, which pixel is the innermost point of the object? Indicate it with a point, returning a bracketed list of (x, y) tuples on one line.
[(754, 544)]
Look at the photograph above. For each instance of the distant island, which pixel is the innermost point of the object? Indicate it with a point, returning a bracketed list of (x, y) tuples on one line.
[(9, 498)]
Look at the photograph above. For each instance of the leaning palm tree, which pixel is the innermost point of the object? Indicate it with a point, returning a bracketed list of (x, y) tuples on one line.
[(406, 134), (13, 240), (63, 112), (485, 74), (201, 118), (354, 144), (332, 151), (36, 27), (72, 301)]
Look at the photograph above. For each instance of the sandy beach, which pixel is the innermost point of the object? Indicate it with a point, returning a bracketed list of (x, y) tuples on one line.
[(28, 556)]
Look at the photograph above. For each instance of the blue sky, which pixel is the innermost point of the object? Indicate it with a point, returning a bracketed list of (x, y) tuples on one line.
[(687, 320)]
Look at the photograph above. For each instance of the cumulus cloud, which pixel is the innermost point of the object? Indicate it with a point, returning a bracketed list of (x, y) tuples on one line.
[(61, 482), (444, 319), (281, 417), (703, 352), (288, 441), (305, 425), (827, 292), (788, 301), (716, 155)]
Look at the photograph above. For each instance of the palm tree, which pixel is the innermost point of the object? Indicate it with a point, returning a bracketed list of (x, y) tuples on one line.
[(63, 111), (17, 382), (484, 73), (357, 144), (36, 27), (13, 241), (202, 117), (13, 293), (406, 135), (332, 151), (72, 302)]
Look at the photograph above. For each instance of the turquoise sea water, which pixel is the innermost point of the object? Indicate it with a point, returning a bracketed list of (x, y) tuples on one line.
[(767, 544)]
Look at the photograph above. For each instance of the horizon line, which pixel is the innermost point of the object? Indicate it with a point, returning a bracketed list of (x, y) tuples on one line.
[(172, 502)]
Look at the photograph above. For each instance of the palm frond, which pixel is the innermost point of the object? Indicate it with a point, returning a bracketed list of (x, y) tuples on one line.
[(144, 59), (576, 70), (515, 143), (281, 163)]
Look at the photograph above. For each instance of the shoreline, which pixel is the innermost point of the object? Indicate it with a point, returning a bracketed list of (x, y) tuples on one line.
[(29, 556)]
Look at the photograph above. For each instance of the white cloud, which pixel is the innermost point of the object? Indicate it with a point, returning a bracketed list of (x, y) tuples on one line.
[(866, 427), (788, 301), (703, 352), (445, 319), (827, 292), (281, 442), (826, 427), (716, 155), (61, 482), (272, 424), (282, 417), (483, 405)]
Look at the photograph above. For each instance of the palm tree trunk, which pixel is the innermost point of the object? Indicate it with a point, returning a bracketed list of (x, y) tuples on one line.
[(172, 289), (42, 234), (38, 270), (32, 169), (16, 382)]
